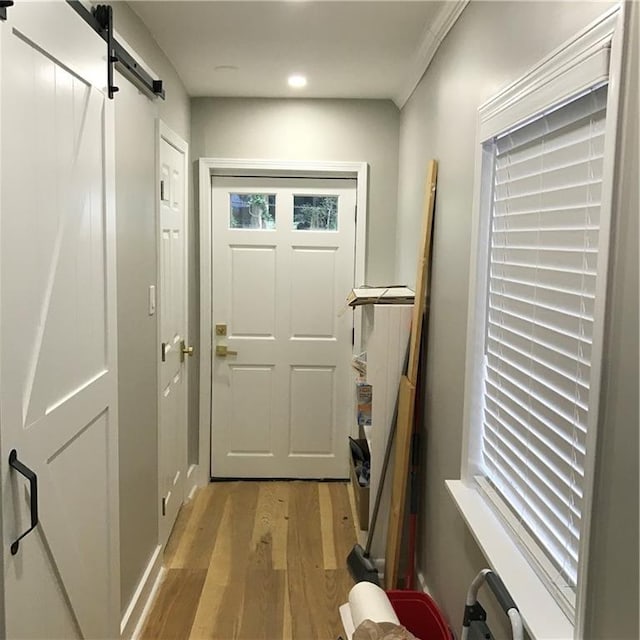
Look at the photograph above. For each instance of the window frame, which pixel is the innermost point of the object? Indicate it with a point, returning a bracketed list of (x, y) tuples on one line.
[(571, 69)]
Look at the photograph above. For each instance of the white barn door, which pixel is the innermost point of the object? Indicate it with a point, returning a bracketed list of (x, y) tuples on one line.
[(283, 265), (58, 406)]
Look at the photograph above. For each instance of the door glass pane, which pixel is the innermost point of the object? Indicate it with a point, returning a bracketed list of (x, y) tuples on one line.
[(315, 213), (252, 211)]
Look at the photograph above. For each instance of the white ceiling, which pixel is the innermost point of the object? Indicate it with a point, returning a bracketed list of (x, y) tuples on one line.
[(357, 49)]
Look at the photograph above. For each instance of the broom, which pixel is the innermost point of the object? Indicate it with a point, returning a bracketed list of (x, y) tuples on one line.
[(361, 566)]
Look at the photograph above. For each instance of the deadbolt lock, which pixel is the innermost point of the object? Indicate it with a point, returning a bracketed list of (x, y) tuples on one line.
[(221, 329)]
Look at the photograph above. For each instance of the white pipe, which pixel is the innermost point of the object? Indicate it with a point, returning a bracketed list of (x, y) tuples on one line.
[(472, 596), (516, 624), (472, 592)]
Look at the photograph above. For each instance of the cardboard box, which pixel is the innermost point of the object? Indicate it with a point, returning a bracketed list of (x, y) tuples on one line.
[(364, 394), (361, 493), (380, 295)]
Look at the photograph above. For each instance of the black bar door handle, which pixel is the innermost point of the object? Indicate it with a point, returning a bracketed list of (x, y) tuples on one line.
[(14, 463)]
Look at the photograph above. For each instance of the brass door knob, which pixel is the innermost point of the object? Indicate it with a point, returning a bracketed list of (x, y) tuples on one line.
[(185, 351)]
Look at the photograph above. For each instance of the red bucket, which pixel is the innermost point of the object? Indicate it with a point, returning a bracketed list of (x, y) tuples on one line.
[(420, 615)]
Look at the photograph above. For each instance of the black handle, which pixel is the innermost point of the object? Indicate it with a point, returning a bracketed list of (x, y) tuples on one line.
[(500, 591), (14, 463)]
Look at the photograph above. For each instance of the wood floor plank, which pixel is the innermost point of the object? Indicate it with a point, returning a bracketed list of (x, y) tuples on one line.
[(343, 523), (337, 586), (175, 607), (271, 523), (217, 579), (242, 500), (266, 546), (354, 510), (326, 526), (196, 545), (307, 580), (287, 632), (204, 622), (179, 531), (263, 611)]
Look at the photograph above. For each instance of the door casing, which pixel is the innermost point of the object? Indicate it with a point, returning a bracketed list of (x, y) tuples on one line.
[(209, 167)]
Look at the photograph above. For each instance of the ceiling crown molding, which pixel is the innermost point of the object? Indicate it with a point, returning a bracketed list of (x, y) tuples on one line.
[(431, 39)]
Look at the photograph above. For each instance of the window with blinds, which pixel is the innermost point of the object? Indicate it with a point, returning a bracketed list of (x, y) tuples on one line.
[(541, 290)]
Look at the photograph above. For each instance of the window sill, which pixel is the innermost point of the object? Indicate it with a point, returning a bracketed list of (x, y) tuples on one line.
[(542, 616)]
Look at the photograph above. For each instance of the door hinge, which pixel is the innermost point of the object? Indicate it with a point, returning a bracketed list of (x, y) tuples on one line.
[(161, 190), (164, 506), (163, 352), (4, 5)]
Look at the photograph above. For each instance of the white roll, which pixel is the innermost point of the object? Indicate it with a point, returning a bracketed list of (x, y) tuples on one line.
[(367, 601)]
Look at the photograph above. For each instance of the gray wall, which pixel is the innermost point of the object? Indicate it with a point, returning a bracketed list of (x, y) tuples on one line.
[(136, 116), (175, 110), (324, 130), (491, 45), (338, 130), (137, 335)]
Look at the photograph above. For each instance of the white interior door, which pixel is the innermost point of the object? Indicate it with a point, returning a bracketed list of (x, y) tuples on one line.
[(58, 407), (173, 329), (283, 264)]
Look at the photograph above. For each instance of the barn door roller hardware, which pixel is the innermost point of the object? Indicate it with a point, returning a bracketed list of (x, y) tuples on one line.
[(100, 19), (4, 4)]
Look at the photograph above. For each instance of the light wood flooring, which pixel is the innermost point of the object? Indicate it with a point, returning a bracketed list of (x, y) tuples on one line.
[(257, 560)]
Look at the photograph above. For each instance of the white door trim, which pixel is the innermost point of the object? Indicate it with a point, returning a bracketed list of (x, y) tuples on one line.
[(3, 633), (208, 167), (164, 132)]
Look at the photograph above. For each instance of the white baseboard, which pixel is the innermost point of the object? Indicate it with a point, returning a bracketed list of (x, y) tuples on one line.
[(143, 597), (422, 583), (192, 481)]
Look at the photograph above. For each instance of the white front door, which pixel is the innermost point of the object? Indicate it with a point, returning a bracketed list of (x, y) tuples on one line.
[(283, 264), (173, 329), (58, 403)]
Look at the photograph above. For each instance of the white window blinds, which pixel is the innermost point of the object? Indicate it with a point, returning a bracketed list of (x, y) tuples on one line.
[(543, 262)]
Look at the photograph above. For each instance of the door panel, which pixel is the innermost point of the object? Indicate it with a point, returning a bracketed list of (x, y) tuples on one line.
[(283, 264), (252, 289), (313, 402), (257, 385), (313, 297), (173, 322), (58, 405)]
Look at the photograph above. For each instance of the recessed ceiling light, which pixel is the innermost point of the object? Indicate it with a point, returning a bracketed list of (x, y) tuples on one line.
[(297, 81)]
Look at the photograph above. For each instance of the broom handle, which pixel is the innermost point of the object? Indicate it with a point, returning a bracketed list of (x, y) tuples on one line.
[(385, 462)]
